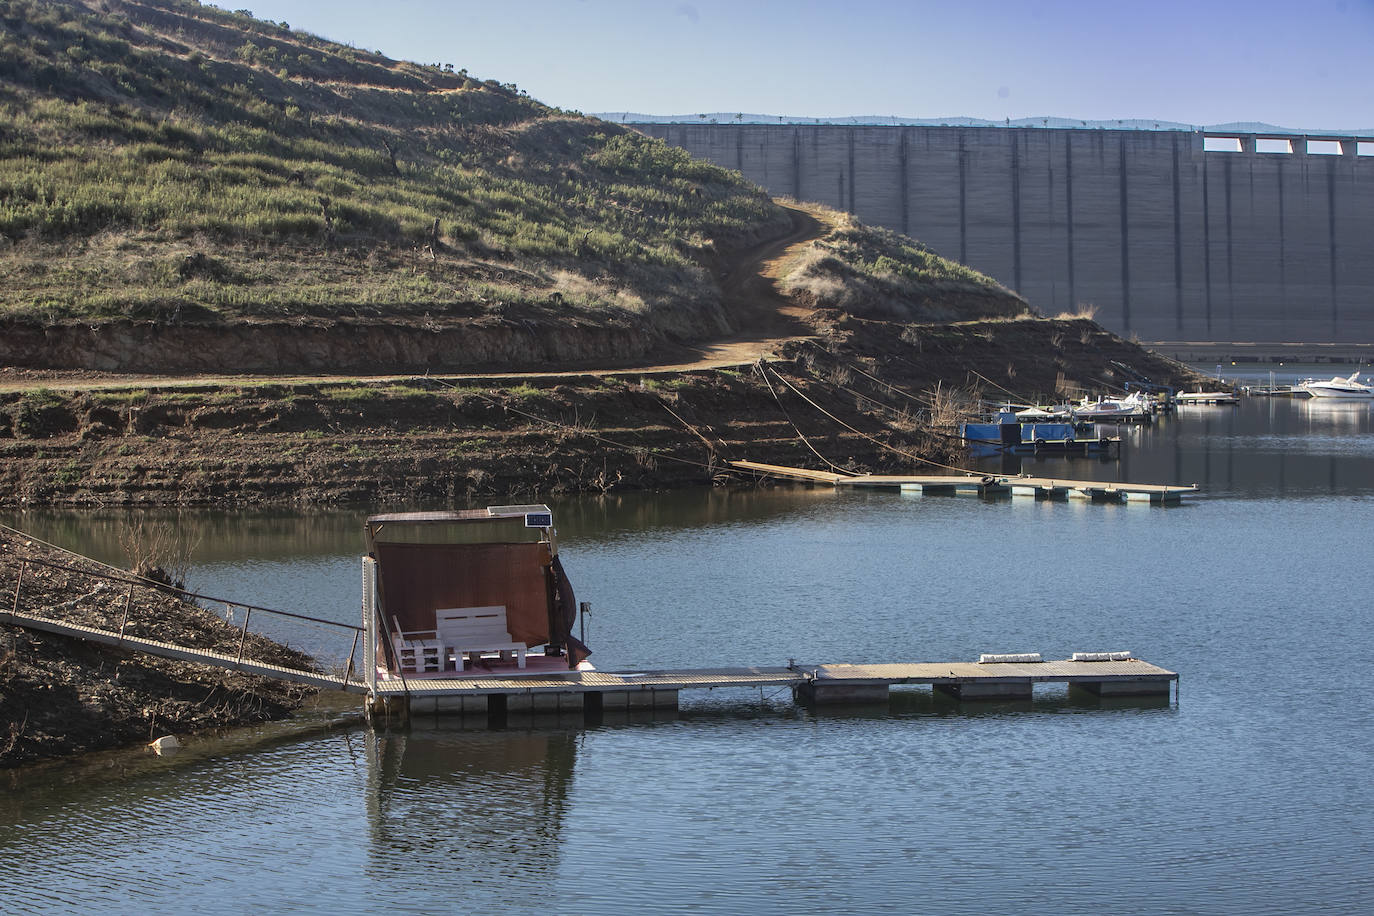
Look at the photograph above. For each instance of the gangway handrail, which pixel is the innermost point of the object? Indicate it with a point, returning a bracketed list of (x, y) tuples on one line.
[(160, 586), (209, 656)]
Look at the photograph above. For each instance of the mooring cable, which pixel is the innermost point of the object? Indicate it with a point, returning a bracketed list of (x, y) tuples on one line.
[(858, 432), (930, 430), (762, 367), (578, 430)]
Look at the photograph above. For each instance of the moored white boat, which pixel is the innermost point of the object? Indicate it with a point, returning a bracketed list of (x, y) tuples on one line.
[(1060, 413), (1207, 397), (1131, 407), (1349, 388)]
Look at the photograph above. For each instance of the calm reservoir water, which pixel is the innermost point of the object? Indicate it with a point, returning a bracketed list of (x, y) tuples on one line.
[(1248, 792)]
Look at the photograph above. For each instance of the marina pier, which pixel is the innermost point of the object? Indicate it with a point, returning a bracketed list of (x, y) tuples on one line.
[(432, 641), (820, 685), (498, 693), (983, 485)]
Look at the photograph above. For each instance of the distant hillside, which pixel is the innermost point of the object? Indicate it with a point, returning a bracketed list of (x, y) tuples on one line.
[(171, 166)]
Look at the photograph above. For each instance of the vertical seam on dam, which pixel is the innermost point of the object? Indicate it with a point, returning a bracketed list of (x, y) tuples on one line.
[(851, 170), (1125, 243), (904, 180), (1016, 211), (1178, 247), (1206, 247), (1068, 215), (1230, 263), (963, 201), (1331, 236), (1283, 237), (796, 164)]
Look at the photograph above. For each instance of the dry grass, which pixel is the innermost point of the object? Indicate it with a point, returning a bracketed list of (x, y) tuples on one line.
[(254, 172), (876, 273), (159, 551), (1085, 311), (951, 406)]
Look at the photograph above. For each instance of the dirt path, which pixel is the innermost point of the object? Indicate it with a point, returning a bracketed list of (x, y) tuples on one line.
[(767, 319)]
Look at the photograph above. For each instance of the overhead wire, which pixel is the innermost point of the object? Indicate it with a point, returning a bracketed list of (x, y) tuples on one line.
[(764, 370), (930, 431), (762, 366), (859, 432), (583, 432)]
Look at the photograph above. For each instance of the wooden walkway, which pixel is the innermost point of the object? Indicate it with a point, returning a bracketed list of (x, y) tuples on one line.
[(985, 485)]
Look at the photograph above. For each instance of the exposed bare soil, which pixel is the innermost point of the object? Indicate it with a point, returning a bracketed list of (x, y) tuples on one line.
[(469, 440), (60, 696)]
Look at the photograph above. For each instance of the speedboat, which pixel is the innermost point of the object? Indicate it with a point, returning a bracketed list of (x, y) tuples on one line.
[(1131, 407), (1350, 388), (1060, 413), (1207, 397)]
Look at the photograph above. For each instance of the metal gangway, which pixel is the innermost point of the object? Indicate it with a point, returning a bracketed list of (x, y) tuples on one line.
[(121, 637)]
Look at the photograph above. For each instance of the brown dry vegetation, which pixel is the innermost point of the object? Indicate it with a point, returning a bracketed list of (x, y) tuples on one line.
[(466, 441), (875, 273), (60, 696)]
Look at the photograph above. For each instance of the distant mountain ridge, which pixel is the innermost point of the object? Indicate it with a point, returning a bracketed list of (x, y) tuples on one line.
[(721, 117)]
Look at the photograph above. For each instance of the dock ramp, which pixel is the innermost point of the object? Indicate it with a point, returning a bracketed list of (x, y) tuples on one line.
[(347, 681), (319, 679)]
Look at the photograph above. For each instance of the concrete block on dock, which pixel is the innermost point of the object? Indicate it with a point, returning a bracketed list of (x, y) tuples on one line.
[(1126, 688), (541, 701), (458, 704), (987, 690), (822, 692), (645, 698)]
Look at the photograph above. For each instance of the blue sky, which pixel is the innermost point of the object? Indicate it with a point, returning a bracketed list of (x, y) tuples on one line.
[(1300, 64)]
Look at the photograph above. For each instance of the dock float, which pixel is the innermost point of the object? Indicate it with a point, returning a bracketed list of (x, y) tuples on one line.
[(830, 684), (983, 485)]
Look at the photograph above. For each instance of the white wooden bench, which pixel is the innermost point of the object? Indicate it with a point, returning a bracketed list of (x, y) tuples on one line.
[(470, 631), (416, 654)]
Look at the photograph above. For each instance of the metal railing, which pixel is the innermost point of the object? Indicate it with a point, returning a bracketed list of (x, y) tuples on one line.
[(133, 582)]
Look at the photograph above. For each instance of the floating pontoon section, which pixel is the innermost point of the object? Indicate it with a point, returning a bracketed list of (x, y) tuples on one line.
[(982, 485)]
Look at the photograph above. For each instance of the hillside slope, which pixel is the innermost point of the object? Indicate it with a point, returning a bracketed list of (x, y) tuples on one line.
[(184, 188)]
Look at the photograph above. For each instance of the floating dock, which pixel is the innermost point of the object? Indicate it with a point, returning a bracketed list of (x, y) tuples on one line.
[(595, 691), (495, 694), (985, 485)]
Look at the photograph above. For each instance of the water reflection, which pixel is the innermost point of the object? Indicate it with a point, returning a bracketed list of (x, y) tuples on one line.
[(1290, 447), (217, 535), (478, 804), (261, 535)]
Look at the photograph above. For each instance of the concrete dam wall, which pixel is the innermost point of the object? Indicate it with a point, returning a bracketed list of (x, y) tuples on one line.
[(1170, 238)]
